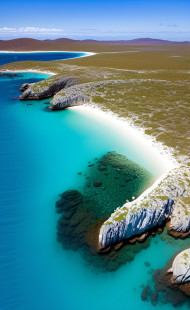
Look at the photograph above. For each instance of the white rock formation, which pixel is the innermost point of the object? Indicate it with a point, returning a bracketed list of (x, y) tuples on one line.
[(134, 220), (180, 219), (181, 267), (62, 102), (146, 212)]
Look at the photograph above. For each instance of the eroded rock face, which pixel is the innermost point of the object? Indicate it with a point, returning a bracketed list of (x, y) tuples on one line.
[(29, 92), (180, 218), (25, 86), (181, 267), (60, 102), (140, 215), (135, 222)]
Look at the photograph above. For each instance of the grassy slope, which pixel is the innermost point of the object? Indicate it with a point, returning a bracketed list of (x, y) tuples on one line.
[(157, 58)]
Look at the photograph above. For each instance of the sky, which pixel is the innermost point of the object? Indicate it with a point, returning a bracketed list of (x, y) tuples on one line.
[(101, 20)]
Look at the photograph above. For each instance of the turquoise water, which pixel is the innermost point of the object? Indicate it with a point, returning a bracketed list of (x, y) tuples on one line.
[(41, 153)]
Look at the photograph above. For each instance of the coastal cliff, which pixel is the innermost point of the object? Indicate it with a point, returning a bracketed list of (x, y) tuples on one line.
[(56, 89), (60, 102), (37, 91), (136, 218), (134, 222), (179, 226)]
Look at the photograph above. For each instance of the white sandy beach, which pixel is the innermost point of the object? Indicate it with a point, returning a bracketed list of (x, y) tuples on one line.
[(29, 70), (155, 151)]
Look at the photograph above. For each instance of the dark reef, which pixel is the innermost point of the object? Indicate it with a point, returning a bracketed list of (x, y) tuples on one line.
[(105, 185), (162, 290)]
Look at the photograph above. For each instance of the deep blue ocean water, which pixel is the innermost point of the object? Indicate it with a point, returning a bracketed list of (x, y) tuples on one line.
[(40, 155), (41, 56)]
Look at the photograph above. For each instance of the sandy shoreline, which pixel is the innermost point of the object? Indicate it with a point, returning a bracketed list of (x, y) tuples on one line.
[(87, 54), (28, 71), (158, 155)]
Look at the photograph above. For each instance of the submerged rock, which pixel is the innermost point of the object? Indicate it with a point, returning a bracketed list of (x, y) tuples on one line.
[(147, 264), (69, 200), (154, 298), (172, 283), (144, 295), (84, 212), (97, 183), (10, 75)]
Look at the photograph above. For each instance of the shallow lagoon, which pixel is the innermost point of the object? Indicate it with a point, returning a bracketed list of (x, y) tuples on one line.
[(41, 154)]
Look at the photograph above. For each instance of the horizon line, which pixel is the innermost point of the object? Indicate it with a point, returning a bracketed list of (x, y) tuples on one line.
[(96, 40)]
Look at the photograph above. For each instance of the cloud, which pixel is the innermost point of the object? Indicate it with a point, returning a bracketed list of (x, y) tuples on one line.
[(33, 30), (40, 32)]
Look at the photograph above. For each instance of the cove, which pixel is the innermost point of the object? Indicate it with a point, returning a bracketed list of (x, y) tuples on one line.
[(6, 57), (41, 154)]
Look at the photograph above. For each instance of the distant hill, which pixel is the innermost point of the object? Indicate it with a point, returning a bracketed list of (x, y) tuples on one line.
[(25, 44), (139, 41)]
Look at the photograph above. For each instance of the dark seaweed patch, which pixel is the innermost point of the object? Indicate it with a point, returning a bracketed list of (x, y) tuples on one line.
[(103, 188), (161, 290)]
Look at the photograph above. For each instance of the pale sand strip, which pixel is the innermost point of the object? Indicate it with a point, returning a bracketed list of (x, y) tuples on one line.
[(28, 71)]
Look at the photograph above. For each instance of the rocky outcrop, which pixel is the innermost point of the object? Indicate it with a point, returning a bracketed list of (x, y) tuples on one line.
[(179, 225), (33, 92), (181, 268), (170, 284), (134, 222), (61, 99), (60, 102), (25, 86), (174, 279), (135, 218)]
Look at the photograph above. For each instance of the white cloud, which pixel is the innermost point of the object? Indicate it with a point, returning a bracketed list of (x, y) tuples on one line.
[(48, 32), (34, 30)]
